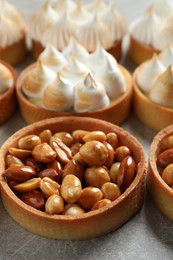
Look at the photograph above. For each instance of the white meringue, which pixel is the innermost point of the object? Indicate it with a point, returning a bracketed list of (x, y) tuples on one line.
[(164, 38), (59, 95), (148, 72), (62, 6), (79, 14), (112, 79), (36, 81), (146, 28), (166, 56), (90, 95), (162, 90), (6, 79), (163, 8), (96, 6), (52, 58)]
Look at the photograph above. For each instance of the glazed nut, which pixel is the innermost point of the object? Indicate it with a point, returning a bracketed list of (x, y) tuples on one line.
[(96, 176), (57, 167), (71, 188), (19, 173), (34, 199), (112, 139), (29, 185), (50, 172), (11, 159), (45, 135), (54, 205), (65, 148), (29, 142), (121, 152), (60, 153), (89, 196), (101, 203), (75, 148), (73, 210), (167, 175), (110, 191), (94, 136), (94, 153), (113, 171), (169, 142), (49, 187), (165, 158), (20, 153), (78, 135), (111, 153), (73, 167), (44, 153), (126, 173), (64, 137), (32, 162)]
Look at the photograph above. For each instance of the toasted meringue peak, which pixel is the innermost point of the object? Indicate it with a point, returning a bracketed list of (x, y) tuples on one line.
[(60, 33), (10, 36), (93, 31), (36, 80), (6, 79), (165, 37), (52, 58), (163, 8), (166, 56), (74, 49), (75, 71), (42, 20), (112, 79), (62, 6), (162, 90), (90, 95), (115, 22), (148, 72), (146, 28), (59, 95), (96, 6), (79, 13)]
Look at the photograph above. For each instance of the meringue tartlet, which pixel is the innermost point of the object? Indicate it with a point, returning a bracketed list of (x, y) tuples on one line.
[(74, 82), (92, 223), (8, 100), (153, 100), (152, 32), (12, 41), (55, 23), (159, 176)]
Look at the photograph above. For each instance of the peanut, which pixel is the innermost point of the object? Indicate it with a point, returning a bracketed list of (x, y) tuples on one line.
[(34, 199), (74, 167), (101, 203), (113, 172), (71, 188), (29, 185), (110, 191), (44, 153), (112, 139), (49, 187), (11, 159), (165, 158), (19, 173), (167, 174), (96, 176), (29, 142), (121, 152), (73, 210), (94, 136), (54, 204), (89, 196), (45, 136)]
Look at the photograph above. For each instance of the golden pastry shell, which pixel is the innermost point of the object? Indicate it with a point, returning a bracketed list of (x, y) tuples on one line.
[(113, 113), (8, 100), (88, 225), (160, 192), (151, 114)]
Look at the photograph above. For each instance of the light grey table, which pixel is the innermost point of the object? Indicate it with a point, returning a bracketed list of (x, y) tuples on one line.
[(148, 235)]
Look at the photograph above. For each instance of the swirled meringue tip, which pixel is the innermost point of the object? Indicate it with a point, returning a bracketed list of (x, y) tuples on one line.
[(165, 37), (162, 90), (79, 12), (59, 95), (90, 95), (148, 72), (166, 56), (36, 80), (52, 58), (163, 8), (96, 6), (62, 5), (6, 79)]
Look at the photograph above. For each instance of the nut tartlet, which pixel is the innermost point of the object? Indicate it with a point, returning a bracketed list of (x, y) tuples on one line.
[(74, 82), (55, 23), (91, 223), (152, 99), (12, 44), (8, 100), (159, 176)]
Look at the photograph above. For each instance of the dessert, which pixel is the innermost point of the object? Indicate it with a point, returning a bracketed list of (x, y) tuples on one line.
[(57, 21), (159, 176), (153, 91), (152, 32), (8, 101), (35, 163), (74, 82), (13, 31)]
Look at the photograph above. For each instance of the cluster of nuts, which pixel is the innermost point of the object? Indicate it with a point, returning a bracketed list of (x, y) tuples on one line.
[(69, 173), (165, 161)]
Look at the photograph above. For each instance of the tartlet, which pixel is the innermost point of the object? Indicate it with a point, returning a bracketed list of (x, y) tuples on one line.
[(87, 23), (13, 43), (97, 91), (87, 225), (8, 100), (160, 192)]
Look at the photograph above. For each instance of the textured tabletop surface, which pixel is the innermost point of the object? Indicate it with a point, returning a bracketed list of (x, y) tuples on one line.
[(148, 235)]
